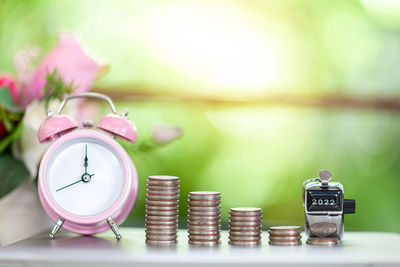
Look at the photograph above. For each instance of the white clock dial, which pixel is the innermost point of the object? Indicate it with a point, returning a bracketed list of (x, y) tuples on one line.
[(85, 190)]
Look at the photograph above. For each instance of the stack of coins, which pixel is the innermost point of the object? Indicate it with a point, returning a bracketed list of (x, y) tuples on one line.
[(245, 226), (162, 209), (204, 218), (323, 241), (285, 235)]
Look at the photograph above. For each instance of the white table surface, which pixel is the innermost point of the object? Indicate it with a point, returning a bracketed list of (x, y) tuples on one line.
[(357, 249)]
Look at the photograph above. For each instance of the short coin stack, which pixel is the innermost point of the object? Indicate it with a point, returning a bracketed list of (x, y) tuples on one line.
[(285, 235), (204, 218), (323, 241), (162, 209), (245, 226)]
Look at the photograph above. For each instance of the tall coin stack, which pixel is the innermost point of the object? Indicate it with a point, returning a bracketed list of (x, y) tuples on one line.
[(204, 218), (162, 201), (245, 226), (285, 235)]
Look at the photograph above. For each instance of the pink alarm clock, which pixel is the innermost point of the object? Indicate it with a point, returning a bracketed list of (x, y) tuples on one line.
[(87, 181)]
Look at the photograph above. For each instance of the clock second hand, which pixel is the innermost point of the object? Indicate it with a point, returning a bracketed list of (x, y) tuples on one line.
[(81, 180)]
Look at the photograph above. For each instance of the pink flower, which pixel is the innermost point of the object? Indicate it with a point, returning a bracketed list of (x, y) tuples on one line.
[(163, 133), (7, 81), (72, 63), (3, 131)]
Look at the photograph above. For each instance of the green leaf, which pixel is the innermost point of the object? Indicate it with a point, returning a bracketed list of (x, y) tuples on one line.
[(13, 173), (7, 102), (55, 87), (5, 142)]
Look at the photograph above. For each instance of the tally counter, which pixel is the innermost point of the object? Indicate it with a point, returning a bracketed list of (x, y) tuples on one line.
[(324, 206)]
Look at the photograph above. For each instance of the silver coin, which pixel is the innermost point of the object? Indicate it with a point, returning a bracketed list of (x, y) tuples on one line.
[(162, 213), (204, 218), (161, 238), (159, 182), (244, 224), (204, 213), (284, 233), (323, 241), (162, 188), (204, 232), (216, 240), (204, 197), (245, 238), (284, 228), (245, 233), (196, 203), (203, 243), (204, 223), (245, 228), (204, 237), (150, 236), (248, 215), (161, 208), (284, 238), (166, 187), (158, 242), (160, 221), (161, 218), (246, 209), (161, 203), (323, 229), (245, 243), (152, 222), (204, 227), (162, 232), (161, 228), (245, 219), (204, 193), (163, 178), (162, 197), (163, 192), (276, 243), (163, 183), (204, 209)]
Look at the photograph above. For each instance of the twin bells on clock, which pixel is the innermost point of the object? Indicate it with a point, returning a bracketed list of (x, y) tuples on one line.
[(87, 181), (59, 124)]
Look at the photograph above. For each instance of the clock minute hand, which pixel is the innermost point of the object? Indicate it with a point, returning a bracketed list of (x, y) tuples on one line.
[(69, 185), (85, 178)]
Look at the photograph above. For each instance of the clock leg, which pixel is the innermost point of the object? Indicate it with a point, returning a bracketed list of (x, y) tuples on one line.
[(114, 228), (56, 228)]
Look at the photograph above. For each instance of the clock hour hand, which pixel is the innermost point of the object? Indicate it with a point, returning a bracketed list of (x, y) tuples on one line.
[(86, 159), (85, 178)]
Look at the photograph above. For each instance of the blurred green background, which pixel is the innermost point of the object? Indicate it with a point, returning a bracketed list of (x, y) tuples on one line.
[(255, 154)]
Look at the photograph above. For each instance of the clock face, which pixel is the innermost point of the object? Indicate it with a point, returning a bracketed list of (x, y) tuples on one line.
[(85, 176)]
